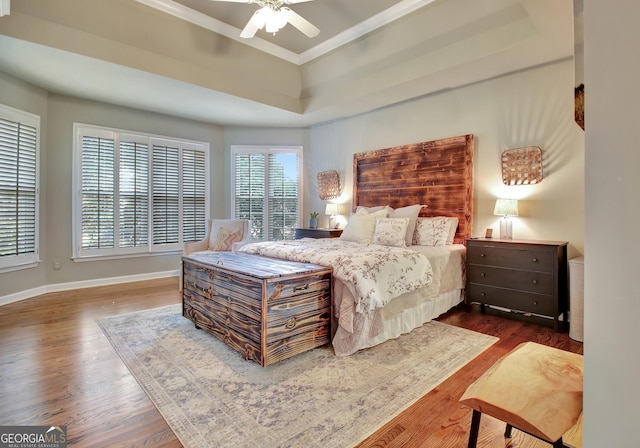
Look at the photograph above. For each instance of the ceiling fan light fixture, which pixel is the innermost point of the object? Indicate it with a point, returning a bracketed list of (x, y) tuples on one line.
[(273, 19)]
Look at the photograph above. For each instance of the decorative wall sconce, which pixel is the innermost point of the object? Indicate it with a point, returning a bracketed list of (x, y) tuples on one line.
[(506, 208), (522, 166), (329, 185)]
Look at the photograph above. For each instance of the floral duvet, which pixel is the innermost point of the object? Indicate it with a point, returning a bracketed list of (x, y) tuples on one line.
[(374, 274)]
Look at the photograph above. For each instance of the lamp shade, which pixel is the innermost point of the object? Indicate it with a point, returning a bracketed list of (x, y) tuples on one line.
[(332, 209), (506, 207)]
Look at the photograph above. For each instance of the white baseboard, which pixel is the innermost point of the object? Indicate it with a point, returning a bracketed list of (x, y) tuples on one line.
[(57, 287)]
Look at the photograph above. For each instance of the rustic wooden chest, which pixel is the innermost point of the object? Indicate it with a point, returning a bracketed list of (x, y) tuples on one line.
[(266, 309)]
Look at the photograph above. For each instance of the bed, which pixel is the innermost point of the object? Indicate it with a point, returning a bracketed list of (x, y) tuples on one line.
[(420, 200)]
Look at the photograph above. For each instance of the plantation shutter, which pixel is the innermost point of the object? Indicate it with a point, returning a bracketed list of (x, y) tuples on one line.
[(137, 193), (166, 196), (267, 190), (194, 193), (133, 193), (18, 188), (250, 191), (98, 192), (283, 196)]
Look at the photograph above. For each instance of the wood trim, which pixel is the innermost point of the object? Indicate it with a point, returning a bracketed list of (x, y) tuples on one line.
[(437, 174)]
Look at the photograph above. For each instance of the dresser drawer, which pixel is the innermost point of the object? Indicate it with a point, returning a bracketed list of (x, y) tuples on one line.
[(530, 281), (511, 299), (529, 259)]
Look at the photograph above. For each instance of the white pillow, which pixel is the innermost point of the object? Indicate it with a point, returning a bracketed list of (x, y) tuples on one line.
[(361, 226), (453, 226), (434, 231), (223, 235), (390, 231), (412, 213), (374, 209)]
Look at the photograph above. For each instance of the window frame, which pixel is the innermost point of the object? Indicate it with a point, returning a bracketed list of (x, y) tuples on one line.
[(150, 249), (25, 261), (267, 150)]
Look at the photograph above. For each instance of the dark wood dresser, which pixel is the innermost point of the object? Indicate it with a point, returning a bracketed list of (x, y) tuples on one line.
[(318, 233), (266, 309), (524, 277)]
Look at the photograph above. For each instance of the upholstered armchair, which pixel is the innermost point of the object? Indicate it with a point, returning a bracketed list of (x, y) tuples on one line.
[(222, 235)]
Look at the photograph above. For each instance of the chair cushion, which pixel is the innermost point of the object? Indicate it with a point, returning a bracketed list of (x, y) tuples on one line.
[(224, 234)]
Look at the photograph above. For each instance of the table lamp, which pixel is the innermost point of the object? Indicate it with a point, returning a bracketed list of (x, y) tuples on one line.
[(506, 208), (332, 210)]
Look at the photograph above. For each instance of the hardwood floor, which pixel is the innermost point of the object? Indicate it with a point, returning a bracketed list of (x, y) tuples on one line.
[(59, 369)]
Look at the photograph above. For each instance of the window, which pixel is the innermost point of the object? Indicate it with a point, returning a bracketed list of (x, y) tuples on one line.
[(267, 189), (137, 193), (19, 188)]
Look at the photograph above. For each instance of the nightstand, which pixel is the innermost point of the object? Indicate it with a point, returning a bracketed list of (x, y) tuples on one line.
[(524, 277), (318, 233)]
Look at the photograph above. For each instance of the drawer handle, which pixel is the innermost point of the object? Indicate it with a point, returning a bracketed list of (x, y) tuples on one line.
[(535, 260), (483, 275), (482, 255), (483, 294), (535, 302), (290, 323), (301, 288), (535, 282)]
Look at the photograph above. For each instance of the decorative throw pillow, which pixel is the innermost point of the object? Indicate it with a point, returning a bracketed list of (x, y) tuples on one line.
[(374, 209), (412, 213), (223, 235), (453, 226), (361, 226), (390, 231), (432, 231)]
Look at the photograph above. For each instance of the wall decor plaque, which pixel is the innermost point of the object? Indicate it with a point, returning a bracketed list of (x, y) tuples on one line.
[(522, 166), (329, 185)]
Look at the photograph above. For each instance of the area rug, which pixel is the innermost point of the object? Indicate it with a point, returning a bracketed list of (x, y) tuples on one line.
[(211, 397)]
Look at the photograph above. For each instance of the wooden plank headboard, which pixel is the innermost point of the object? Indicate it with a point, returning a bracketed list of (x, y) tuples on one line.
[(437, 174)]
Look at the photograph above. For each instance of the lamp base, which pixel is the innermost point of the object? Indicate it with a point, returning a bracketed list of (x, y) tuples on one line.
[(506, 229)]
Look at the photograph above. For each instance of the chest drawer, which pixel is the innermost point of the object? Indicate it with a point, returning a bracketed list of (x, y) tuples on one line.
[(528, 259), (513, 299), (530, 281)]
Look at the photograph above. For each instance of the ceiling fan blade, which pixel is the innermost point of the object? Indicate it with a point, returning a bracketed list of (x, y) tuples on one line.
[(301, 23), (250, 29), (291, 2), (233, 1)]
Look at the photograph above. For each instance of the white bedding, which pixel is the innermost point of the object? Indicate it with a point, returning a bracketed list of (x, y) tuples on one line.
[(427, 283), (375, 274), (356, 331)]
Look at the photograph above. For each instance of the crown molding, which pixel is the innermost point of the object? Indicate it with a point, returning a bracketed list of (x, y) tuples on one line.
[(373, 23), (398, 10)]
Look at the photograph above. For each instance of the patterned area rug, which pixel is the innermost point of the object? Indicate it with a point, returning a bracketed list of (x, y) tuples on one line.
[(210, 397)]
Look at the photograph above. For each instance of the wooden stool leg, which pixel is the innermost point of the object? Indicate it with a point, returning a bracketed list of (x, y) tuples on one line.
[(475, 428), (507, 431)]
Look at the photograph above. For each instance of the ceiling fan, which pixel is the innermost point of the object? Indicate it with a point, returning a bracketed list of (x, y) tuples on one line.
[(274, 15)]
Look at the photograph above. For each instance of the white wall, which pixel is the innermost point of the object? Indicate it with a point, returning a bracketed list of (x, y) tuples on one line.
[(612, 301), (533, 107)]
